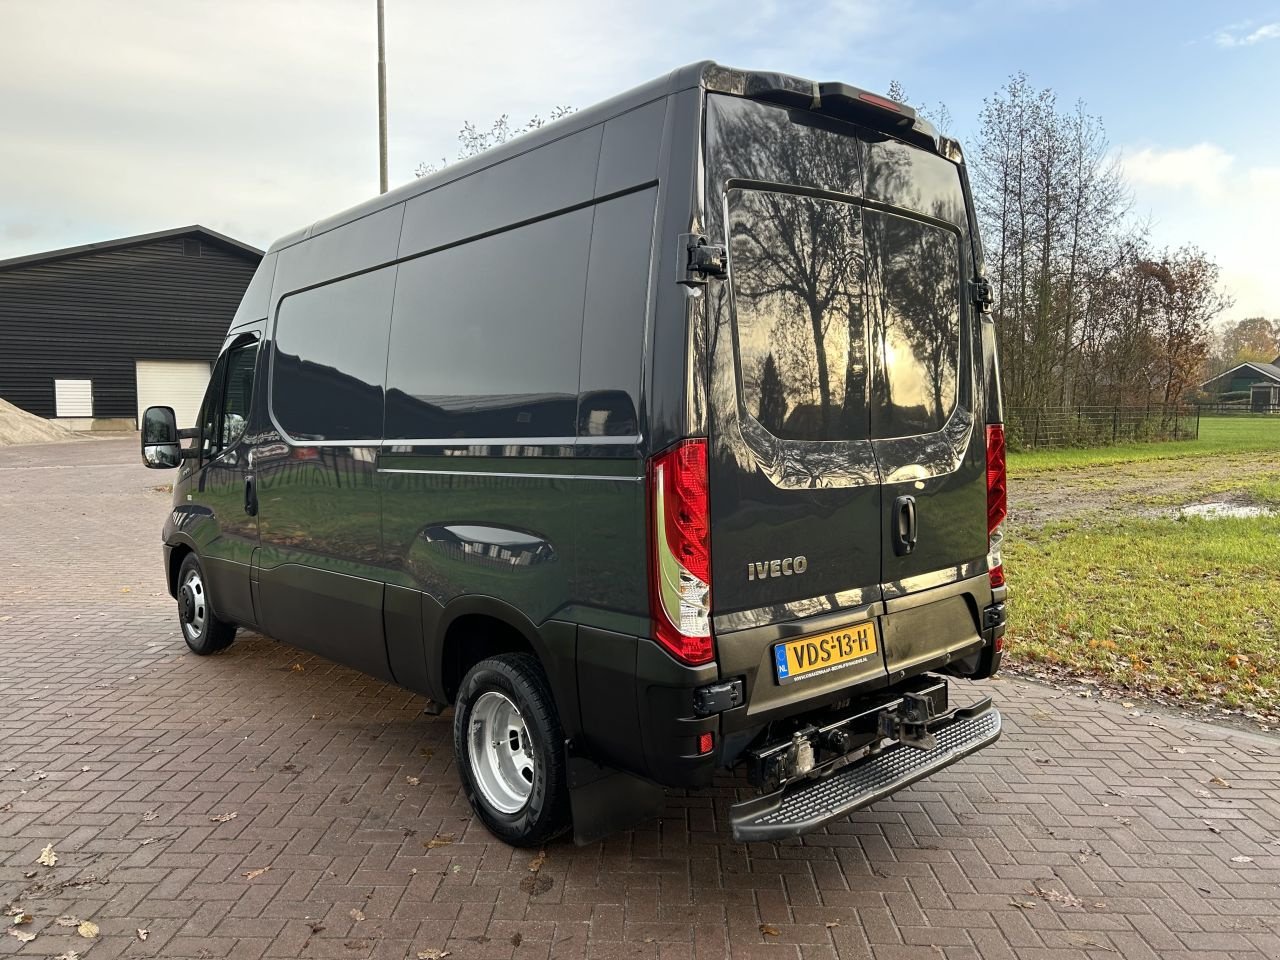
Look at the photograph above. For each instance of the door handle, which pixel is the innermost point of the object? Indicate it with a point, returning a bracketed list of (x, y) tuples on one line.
[(250, 497), (904, 525)]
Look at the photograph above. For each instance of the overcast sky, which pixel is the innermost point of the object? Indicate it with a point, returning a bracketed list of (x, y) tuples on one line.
[(255, 117)]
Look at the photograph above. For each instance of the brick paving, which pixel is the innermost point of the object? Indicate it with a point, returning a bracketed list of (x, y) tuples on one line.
[(1088, 832)]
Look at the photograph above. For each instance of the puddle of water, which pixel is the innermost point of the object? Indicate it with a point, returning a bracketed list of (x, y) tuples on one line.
[(1217, 511)]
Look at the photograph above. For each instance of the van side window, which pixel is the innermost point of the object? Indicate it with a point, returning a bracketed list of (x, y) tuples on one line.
[(225, 410), (209, 419), (913, 306), (238, 392), (485, 336), (329, 356), (796, 266), (613, 326)]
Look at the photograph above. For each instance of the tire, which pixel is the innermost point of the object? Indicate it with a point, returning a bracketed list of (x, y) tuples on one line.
[(509, 746), (200, 626)]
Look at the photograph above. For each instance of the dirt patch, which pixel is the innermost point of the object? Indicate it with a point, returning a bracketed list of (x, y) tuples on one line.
[(1045, 498), (18, 426)]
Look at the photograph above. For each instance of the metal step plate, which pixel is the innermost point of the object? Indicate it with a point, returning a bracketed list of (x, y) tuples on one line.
[(804, 806)]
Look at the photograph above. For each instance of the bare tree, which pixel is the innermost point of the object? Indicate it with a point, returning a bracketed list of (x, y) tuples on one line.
[(473, 140)]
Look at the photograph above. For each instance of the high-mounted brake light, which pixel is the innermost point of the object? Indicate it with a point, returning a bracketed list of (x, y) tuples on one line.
[(997, 501), (680, 551), (884, 103)]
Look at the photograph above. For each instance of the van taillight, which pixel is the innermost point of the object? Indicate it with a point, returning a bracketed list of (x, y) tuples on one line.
[(680, 551), (997, 502)]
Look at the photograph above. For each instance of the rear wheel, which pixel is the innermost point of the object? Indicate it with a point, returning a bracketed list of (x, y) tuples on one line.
[(201, 628), (510, 750)]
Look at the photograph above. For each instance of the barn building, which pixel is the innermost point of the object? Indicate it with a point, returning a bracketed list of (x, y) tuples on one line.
[(1255, 385), (91, 335)]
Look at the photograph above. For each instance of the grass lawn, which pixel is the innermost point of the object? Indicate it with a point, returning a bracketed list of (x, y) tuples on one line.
[(1218, 436), (1184, 610)]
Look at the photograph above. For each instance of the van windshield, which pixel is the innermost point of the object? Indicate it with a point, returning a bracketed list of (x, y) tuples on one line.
[(797, 272)]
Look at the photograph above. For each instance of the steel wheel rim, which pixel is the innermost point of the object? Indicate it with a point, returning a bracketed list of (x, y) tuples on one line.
[(501, 753), (193, 605)]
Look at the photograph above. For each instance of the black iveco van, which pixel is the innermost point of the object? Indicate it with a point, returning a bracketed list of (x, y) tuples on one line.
[(663, 439)]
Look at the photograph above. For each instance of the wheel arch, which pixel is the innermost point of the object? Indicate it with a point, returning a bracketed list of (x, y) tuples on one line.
[(469, 629)]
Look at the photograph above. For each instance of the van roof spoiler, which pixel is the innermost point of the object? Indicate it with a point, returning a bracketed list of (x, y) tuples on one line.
[(834, 99)]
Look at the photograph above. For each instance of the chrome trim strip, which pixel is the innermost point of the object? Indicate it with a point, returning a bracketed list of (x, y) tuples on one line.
[(513, 474)]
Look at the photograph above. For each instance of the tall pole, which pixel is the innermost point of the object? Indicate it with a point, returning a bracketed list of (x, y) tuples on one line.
[(382, 102)]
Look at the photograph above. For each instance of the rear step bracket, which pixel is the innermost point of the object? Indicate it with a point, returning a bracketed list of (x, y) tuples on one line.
[(804, 806)]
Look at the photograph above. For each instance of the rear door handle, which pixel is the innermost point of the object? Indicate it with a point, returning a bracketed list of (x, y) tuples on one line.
[(904, 525), (250, 497)]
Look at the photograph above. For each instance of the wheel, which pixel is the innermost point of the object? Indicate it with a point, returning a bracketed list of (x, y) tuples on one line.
[(510, 750), (201, 628)]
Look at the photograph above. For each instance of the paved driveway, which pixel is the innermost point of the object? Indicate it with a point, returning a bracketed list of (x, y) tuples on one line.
[(267, 803)]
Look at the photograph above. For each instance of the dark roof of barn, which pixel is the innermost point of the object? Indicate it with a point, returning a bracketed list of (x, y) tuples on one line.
[(195, 230), (1269, 370)]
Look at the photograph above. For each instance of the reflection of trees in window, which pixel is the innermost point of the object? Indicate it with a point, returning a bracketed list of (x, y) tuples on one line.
[(772, 411), (914, 315), (797, 276)]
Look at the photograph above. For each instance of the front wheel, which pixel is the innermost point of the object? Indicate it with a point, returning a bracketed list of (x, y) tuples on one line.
[(201, 628), (510, 750)]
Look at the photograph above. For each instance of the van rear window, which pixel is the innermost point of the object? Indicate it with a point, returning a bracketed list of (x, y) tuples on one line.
[(913, 310), (797, 273)]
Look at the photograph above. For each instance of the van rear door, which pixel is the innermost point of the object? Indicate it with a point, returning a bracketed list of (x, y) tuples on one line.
[(925, 409), (847, 473), (796, 503)]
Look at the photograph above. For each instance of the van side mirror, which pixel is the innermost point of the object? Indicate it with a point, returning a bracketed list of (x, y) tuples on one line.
[(160, 447)]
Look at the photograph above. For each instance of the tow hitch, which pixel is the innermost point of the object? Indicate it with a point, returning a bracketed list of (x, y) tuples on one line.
[(822, 742), (908, 722)]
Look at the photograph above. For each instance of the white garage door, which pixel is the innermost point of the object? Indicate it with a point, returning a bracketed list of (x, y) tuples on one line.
[(173, 383), (73, 398)]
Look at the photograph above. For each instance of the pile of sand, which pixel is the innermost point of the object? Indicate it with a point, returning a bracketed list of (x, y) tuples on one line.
[(18, 426)]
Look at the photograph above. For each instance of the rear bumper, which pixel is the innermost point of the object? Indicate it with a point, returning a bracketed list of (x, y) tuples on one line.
[(808, 804)]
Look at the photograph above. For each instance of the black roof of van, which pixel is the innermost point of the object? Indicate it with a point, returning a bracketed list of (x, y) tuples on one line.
[(776, 87)]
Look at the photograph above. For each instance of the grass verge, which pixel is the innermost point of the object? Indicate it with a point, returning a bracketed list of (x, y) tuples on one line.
[(1181, 610)]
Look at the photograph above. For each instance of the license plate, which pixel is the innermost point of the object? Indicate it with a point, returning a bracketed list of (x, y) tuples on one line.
[(821, 654)]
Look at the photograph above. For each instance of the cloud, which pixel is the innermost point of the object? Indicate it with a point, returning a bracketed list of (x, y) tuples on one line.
[(1241, 35), (256, 117), (1202, 167), (1205, 195)]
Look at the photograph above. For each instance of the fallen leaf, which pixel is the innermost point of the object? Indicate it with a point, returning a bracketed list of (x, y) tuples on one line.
[(297, 668), (412, 781), (535, 884), (67, 921), (87, 929), (47, 856), (255, 873), (517, 938), (357, 915), (124, 589), (1022, 904), (224, 817), (1055, 896), (1219, 782), (831, 924), (432, 954), (20, 918), (769, 930), (439, 840), (1242, 859), (69, 955), (536, 863), (143, 933), (22, 935), (149, 816)]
